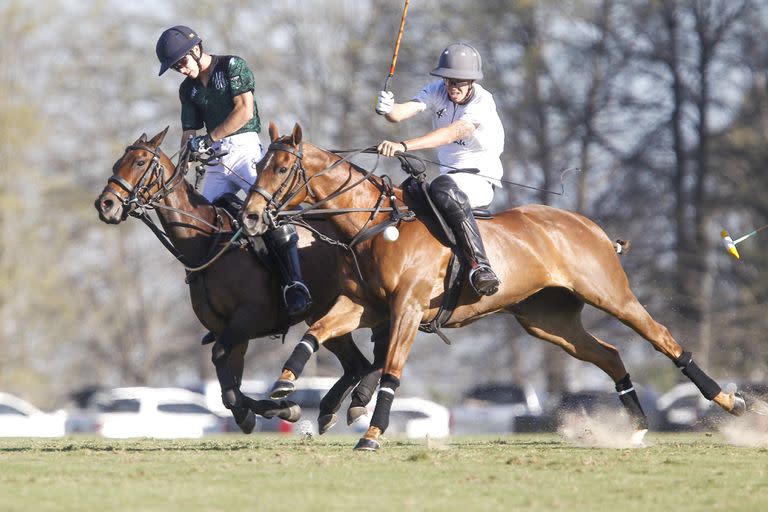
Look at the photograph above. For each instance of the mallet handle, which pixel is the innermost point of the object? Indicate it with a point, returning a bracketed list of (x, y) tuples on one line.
[(397, 47), (748, 235)]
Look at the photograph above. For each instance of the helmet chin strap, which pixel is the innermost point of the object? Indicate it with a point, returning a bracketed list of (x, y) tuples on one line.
[(196, 58)]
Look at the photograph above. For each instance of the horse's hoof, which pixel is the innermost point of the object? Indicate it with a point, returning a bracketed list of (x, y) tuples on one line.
[(739, 405), (290, 412), (326, 423), (638, 436), (355, 413), (367, 445), (248, 423), (281, 389)]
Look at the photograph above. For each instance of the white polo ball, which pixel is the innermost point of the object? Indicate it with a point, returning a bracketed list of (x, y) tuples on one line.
[(391, 233)]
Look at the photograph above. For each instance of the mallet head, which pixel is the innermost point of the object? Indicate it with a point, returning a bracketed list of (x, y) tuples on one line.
[(729, 244)]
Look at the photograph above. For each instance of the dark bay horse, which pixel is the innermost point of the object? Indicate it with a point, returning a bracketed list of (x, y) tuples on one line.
[(550, 262), (236, 297)]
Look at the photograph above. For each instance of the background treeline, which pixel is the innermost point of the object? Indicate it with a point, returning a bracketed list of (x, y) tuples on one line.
[(662, 105)]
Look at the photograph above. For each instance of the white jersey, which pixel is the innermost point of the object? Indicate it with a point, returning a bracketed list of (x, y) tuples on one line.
[(481, 150)]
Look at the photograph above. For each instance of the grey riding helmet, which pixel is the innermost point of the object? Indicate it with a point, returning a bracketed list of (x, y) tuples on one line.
[(460, 61), (174, 44)]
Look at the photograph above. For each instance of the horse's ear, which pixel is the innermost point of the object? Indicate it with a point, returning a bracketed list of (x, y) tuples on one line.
[(158, 139), (296, 135), (273, 135), (141, 139)]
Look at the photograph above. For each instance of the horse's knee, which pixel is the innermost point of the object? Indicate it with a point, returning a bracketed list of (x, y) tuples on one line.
[(231, 398)]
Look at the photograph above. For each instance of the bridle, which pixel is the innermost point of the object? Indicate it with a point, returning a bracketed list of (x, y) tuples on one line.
[(273, 206), (139, 196), (140, 201)]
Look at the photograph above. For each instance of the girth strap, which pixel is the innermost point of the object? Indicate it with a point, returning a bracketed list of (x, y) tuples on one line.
[(454, 281)]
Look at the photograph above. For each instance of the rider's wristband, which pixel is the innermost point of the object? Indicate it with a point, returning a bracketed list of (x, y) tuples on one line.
[(405, 146)]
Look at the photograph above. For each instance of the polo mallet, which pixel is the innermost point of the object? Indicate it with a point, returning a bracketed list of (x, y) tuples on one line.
[(397, 48), (730, 244)]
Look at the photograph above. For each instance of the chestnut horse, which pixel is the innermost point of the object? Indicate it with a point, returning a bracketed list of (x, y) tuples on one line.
[(235, 297), (550, 262)]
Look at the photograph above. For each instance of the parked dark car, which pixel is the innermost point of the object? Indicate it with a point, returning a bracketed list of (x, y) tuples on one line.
[(496, 408)]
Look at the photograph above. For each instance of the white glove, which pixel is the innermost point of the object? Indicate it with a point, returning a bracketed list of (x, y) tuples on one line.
[(385, 102)]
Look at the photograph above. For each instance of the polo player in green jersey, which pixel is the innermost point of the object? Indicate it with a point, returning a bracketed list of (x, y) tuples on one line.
[(217, 94)]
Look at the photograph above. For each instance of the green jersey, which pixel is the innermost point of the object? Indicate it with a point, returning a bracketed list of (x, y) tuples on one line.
[(210, 105)]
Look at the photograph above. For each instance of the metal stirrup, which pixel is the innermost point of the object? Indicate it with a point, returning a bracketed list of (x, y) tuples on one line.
[(299, 285)]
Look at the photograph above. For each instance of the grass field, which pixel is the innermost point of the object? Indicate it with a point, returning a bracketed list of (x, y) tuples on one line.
[(264, 473)]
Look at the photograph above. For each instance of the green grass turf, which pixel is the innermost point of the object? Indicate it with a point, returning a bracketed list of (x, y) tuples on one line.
[(264, 473)]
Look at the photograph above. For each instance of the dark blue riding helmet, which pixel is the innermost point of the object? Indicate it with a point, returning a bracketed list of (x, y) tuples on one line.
[(174, 44)]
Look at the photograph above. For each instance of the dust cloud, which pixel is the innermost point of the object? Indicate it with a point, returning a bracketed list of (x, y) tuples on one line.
[(600, 430)]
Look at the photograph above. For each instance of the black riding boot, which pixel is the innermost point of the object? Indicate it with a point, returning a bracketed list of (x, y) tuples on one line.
[(454, 205), (282, 244)]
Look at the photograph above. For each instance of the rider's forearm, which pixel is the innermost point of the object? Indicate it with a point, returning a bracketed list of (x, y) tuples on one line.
[(442, 136)]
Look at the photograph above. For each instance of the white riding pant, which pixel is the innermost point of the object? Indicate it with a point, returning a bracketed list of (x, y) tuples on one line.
[(478, 190), (237, 169)]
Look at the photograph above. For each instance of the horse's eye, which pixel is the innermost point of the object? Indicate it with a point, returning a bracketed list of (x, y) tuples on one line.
[(282, 170), (141, 163)]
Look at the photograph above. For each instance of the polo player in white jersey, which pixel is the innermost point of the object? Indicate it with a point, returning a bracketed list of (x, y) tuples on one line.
[(469, 137)]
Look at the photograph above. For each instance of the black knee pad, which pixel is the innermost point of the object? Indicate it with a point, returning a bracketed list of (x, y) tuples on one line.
[(282, 235), (447, 195)]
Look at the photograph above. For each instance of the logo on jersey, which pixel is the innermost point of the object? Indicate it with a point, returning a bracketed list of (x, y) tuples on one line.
[(460, 142), (219, 80), (440, 113)]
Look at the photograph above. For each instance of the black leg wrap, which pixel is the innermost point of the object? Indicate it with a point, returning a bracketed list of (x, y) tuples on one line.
[(631, 403), (363, 392), (384, 401), (708, 387), (301, 354), (331, 402), (220, 358)]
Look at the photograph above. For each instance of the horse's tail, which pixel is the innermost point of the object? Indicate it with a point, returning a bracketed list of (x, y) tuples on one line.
[(622, 246)]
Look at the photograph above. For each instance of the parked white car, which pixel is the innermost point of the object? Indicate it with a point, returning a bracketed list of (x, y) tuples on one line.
[(165, 413), (19, 418)]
